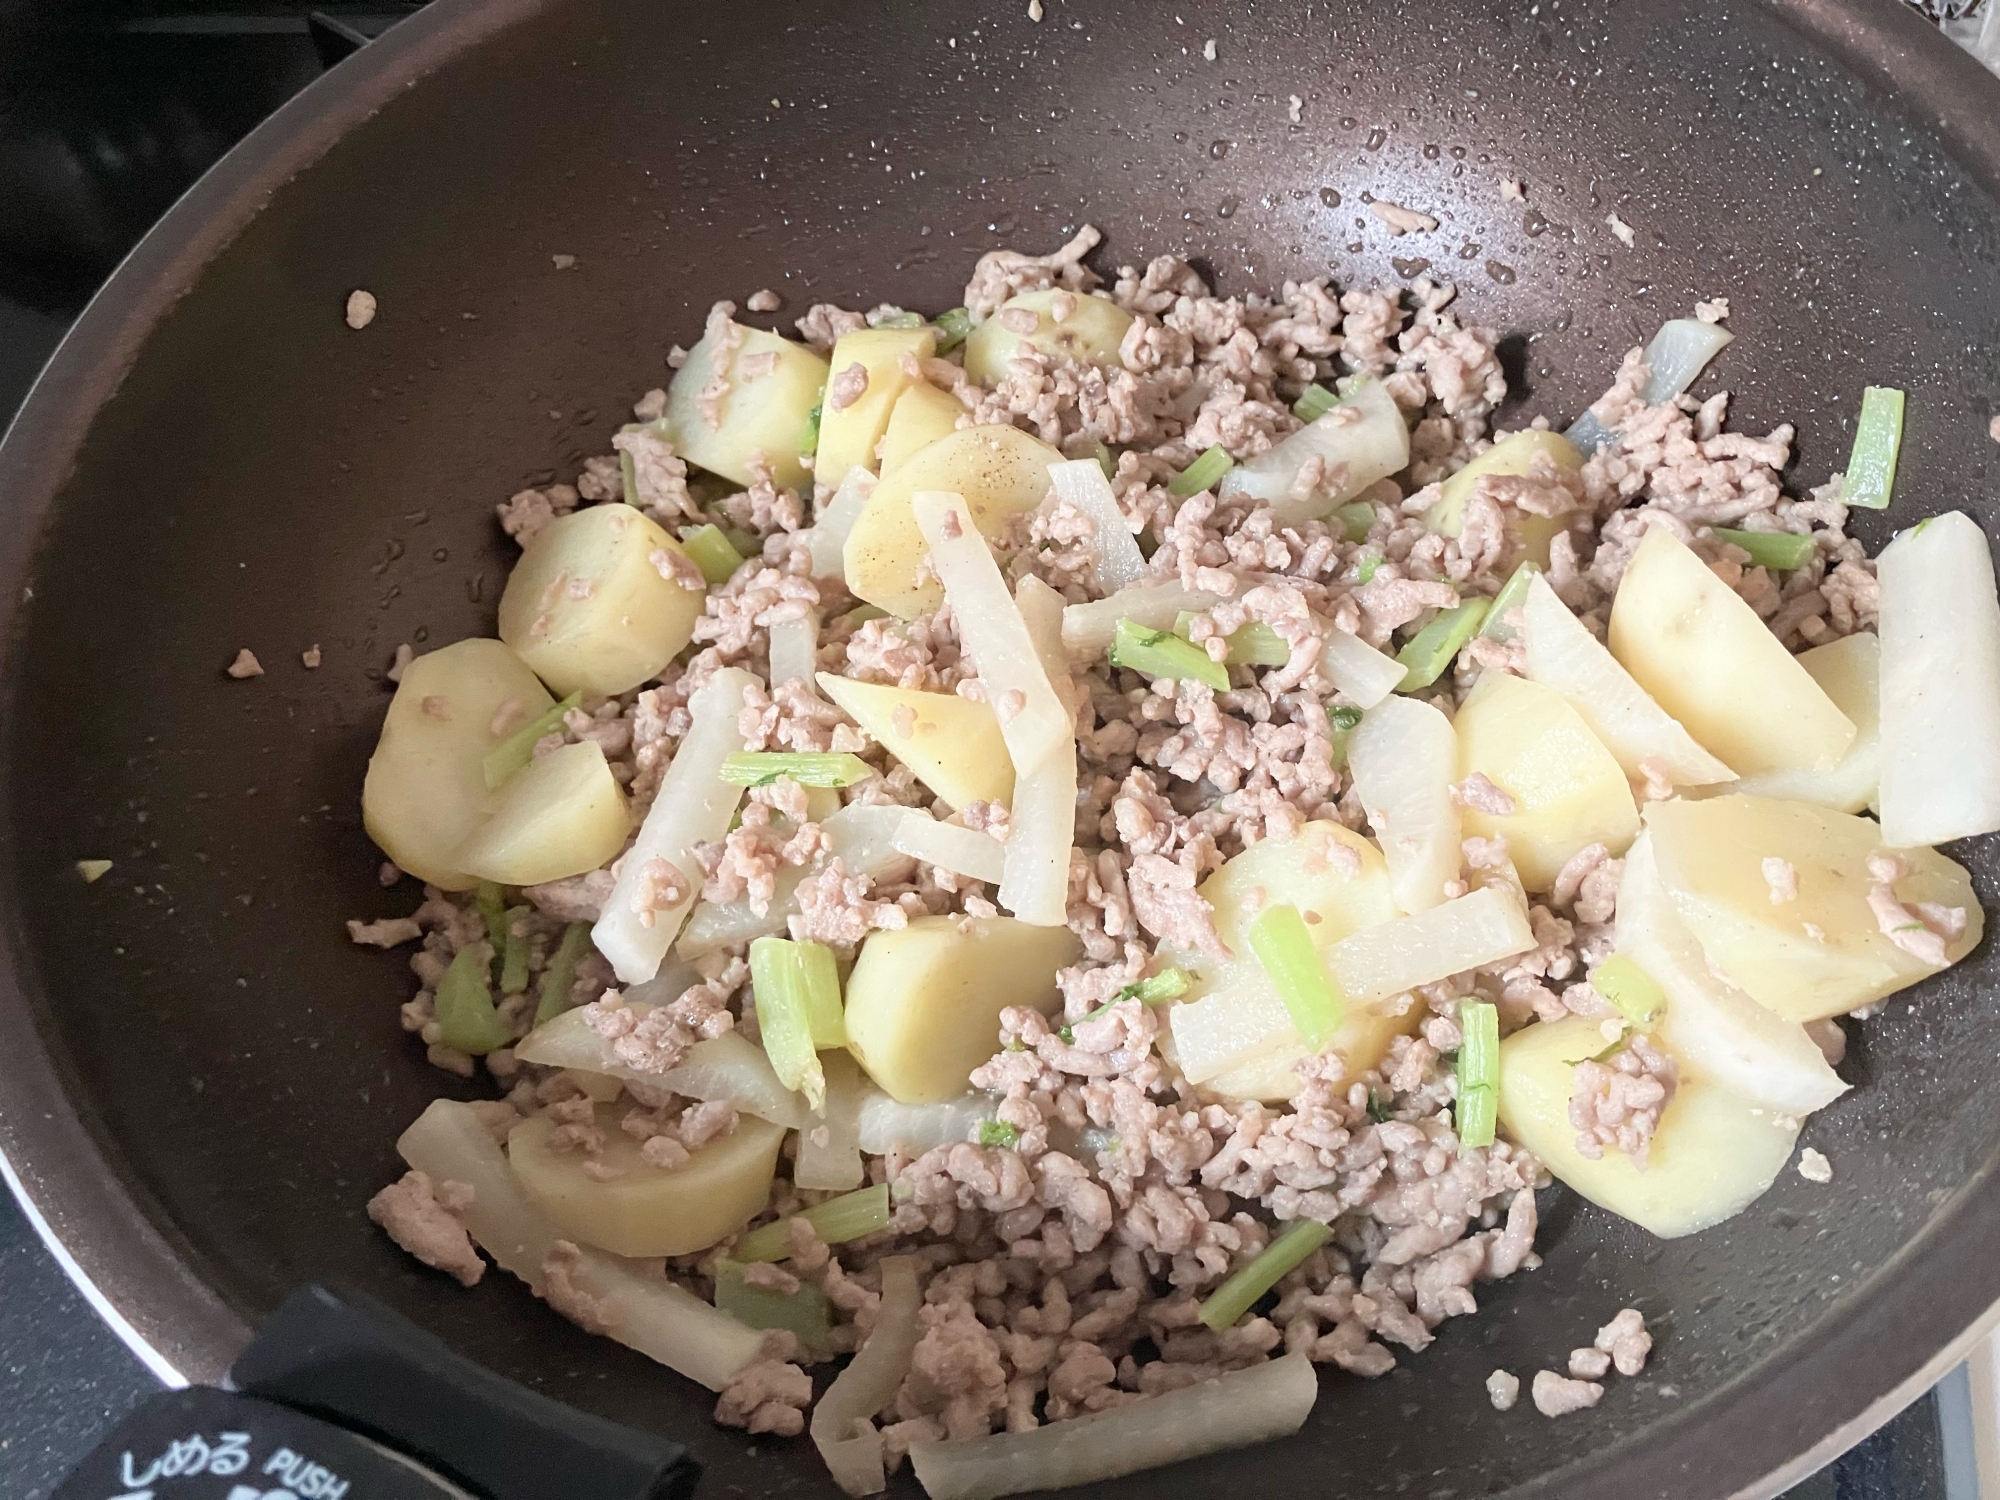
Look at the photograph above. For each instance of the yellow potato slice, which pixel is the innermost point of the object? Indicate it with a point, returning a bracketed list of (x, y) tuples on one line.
[(1090, 335), (1000, 472), (562, 814), (1713, 1155), (1822, 953), (1309, 871), (952, 744), (1568, 790), (588, 607), (761, 417), (924, 1002), (1511, 456), (1361, 1042), (923, 414), (848, 435), (1850, 669), (640, 1210), (1710, 662), (426, 786)]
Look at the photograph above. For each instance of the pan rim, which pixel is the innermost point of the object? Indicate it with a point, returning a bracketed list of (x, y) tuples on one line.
[(151, 1288)]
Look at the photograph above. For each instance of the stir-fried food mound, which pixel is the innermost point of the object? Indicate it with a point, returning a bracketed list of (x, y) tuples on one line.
[(1079, 857)]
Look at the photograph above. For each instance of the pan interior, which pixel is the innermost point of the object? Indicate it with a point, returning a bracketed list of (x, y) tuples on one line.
[(268, 478)]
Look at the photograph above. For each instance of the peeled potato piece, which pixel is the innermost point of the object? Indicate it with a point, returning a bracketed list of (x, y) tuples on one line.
[(562, 814), (762, 415), (1512, 455), (426, 787), (1710, 662), (597, 602), (922, 415), (1567, 790), (1713, 1155), (1090, 333), (1850, 669), (999, 471), (1336, 878), (1821, 952), (952, 744), (924, 1001), (642, 1210), (848, 434)]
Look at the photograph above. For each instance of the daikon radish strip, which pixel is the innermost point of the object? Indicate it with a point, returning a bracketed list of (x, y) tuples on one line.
[(1678, 353), (1562, 654), (795, 649), (1087, 629), (887, 1125), (862, 837), (1357, 669), (728, 1067), (1940, 684), (1359, 441), (1081, 483), (869, 1383), (1041, 825), (1254, 1405), (1033, 721), (1404, 757), (1481, 928), (1228, 1026), (963, 851), (640, 1307), (829, 533), (694, 806), (830, 1142)]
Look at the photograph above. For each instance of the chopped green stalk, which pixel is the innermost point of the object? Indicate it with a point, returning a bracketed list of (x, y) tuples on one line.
[(1629, 988), (1155, 989), (1430, 651), (711, 552), (559, 978), (1240, 1292), (1357, 519), (807, 768), (820, 974), (1285, 949), (1161, 653), (1378, 1111), (809, 439), (898, 319), (491, 901), (836, 1221), (514, 956), (1478, 1072), (997, 1133), (861, 614), (1252, 645), (1106, 459), (1780, 551), (746, 542), (464, 1005), (1367, 568), (1878, 439), (803, 1312), (1513, 594), (1205, 473), (952, 327), (1342, 719), (514, 752), (1314, 402), (785, 1014)]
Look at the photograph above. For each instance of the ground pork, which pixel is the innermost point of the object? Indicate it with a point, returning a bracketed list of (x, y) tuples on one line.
[(1618, 1102), (1558, 1395), (424, 1219)]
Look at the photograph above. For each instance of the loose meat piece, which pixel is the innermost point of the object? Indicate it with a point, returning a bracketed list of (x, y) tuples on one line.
[(1625, 1339), (1557, 1395), (423, 1220)]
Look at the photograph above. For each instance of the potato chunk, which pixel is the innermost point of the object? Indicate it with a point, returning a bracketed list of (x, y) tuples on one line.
[(638, 1209), (1336, 878), (762, 415), (1819, 952), (924, 1001), (1517, 454), (923, 414), (597, 602), (1000, 472), (1089, 335), (952, 744), (1566, 789), (563, 814), (1850, 669), (426, 786), (1709, 661), (1713, 1155), (848, 434)]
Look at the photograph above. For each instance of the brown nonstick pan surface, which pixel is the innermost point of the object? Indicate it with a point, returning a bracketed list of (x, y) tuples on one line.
[(201, 1080)]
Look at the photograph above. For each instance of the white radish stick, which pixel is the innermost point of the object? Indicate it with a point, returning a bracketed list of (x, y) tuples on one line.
[(1357, 669), (1482, 928), (1404, 756), (1041, 825), (1081, 483), (829, 533), (1087, 629)]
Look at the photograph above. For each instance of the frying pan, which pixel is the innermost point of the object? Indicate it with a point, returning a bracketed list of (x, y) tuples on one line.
[(200, 1080)]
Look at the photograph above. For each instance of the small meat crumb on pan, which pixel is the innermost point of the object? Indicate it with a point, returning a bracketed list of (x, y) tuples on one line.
[(1401, 220), (360, 309), (1503, 1390), (1626, 235), (310, 657), (1814, 1167), (1557, 1395), (93, 870), (424, 1221), (245, 665)]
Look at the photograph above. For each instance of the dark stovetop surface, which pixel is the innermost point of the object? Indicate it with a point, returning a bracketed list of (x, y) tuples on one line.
[(99, 131)]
